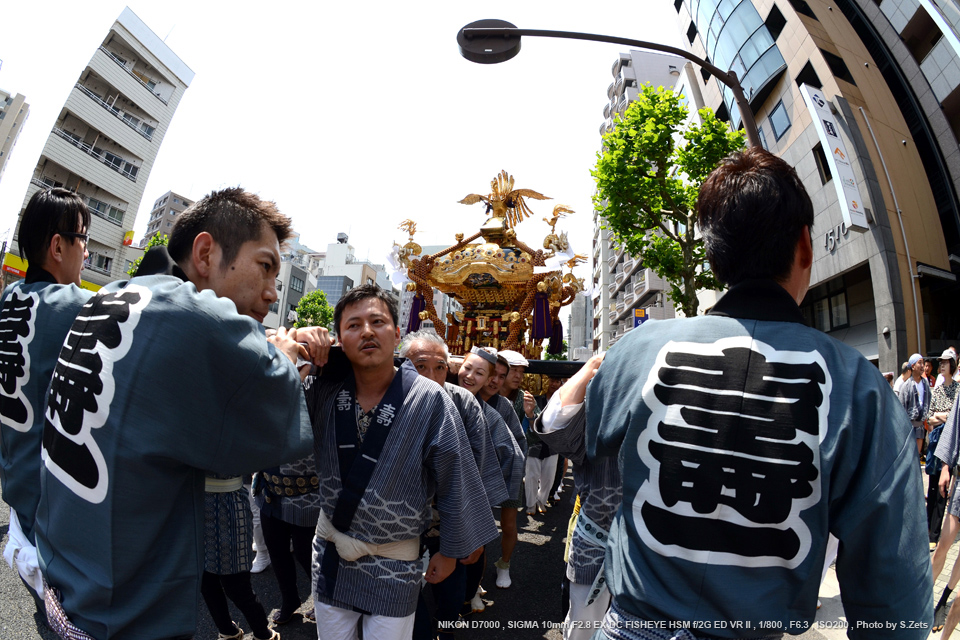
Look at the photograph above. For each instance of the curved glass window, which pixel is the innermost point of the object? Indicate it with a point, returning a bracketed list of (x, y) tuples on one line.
[(737, 40)]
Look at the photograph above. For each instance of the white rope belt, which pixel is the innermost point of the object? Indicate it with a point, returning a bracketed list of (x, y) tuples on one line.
[(351, 549)]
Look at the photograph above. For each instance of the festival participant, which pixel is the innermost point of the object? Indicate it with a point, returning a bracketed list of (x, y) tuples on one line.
[(746, 438), (428, 353), (490, 394), (288, 498), (597, 483), (387, 441), (53, 240), (161, 379)]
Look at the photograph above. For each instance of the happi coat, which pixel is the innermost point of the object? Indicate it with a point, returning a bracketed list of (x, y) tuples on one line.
[(156, 385), (596, 482), (426, 454), (485, 453), (744, 439), (36, 315)]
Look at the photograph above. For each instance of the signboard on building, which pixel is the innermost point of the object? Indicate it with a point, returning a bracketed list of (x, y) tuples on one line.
[(639, 317), (15, 265), (128, 238), (848, 194)]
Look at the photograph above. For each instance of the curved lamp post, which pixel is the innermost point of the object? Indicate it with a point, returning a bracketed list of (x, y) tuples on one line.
[(493, 41)]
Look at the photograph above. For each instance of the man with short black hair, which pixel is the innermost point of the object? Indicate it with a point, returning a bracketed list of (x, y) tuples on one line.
[(746, 438), (36, 315), (905, 370), (386, 442), (161, 379)]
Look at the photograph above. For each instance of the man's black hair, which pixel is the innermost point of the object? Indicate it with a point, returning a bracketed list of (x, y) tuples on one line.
[(233, 217), (363, 292), (50, 212), (752, 209)]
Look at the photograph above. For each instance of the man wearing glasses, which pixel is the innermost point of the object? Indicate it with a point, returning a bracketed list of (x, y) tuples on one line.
[(35, 317)]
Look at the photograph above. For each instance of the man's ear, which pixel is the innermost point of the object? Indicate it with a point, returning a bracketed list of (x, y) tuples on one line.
[(804, 255), (205, 254), (55, 250)]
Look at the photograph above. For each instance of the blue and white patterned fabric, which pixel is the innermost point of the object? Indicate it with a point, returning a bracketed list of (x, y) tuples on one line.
[(426, 453)]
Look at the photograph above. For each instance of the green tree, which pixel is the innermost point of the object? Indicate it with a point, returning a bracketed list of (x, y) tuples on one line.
[(648, 175), (313, 310), (158, 240), (560, 356)]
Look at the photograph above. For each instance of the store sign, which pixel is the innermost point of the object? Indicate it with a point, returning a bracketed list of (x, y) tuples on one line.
[(639, 317), (15, 265), (848, 194)]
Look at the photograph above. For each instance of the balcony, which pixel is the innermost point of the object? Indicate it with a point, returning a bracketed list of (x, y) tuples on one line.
[(628, 297), (133, 74), (96, 268), (128, 119), (620, 306), (115, 162), (612, 288), (619, 278), (640, 282), (628, 264), (612, 261)]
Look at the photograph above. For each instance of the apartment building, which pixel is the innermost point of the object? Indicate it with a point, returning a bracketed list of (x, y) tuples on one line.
[(14, 111), (105, 139), (625, 293), (863, 98), (166, 208)]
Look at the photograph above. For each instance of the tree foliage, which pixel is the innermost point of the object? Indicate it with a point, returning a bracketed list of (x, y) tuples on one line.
[(559, 356), (157, 240), (313, 310), (648, 176)]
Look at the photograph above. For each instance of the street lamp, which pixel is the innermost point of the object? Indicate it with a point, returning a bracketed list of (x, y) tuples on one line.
[(493, 41)]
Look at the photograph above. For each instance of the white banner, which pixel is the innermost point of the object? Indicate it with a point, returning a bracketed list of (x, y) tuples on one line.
[(848, 194)]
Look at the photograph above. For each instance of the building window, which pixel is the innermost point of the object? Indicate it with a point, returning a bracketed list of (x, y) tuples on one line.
[(822, 167), (825, 308), (176, 201), (801, 7), (369, 280), (677, 4), (837, 66), (296, 284), (691, 32), (779, 120), (763, 138), (809, 76), (275, 307), (775, 22)]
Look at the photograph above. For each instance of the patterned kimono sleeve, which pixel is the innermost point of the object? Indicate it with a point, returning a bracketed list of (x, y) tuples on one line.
[(568, 441), (481, 442), (505, 408), (466, 522), (883, 578), (508, 451), (948, 448)]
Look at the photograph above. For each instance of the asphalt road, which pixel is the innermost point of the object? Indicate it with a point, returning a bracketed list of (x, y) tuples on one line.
[(525, 611)]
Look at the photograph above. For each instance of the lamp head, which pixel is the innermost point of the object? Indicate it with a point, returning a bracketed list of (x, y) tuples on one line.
[(488, 49)]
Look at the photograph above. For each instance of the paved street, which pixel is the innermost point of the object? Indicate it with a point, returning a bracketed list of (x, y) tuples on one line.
[(526, 611)]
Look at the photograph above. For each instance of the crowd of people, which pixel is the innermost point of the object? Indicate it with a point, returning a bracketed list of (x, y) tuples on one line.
[(718, 461)]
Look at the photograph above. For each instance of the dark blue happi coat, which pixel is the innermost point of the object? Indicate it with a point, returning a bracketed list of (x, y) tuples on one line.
[(156, 385)]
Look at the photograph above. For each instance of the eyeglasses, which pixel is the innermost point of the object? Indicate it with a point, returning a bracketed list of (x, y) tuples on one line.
[(84, 238)]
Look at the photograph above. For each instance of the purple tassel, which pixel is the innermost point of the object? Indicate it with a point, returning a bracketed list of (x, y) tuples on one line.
[(413, 324), (556, 339), (541, 317)]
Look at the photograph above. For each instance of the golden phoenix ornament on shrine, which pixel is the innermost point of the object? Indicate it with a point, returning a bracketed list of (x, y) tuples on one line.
[(511, 294)]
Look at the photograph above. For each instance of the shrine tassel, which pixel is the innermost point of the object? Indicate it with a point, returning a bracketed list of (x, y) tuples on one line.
[(541, 329), (413, 324), (556, 339)]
